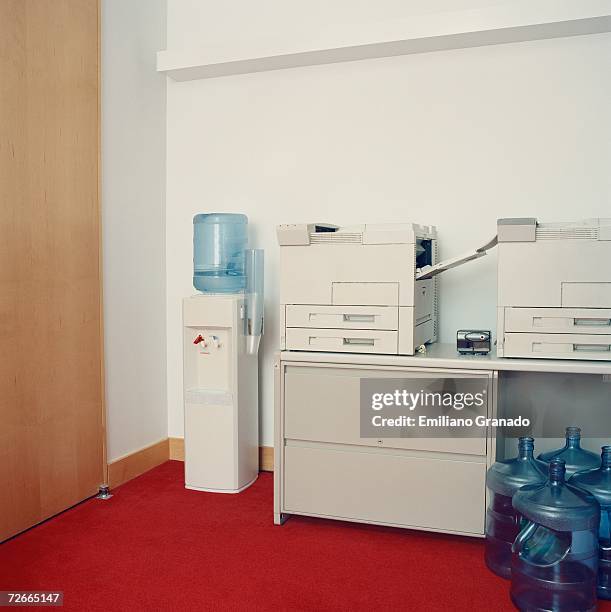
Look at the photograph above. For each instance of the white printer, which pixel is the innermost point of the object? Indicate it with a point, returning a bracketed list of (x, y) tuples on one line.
[(354, 289), (362, 288), (554, 289)]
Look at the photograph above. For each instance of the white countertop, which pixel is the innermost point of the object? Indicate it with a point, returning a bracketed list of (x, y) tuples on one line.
[(440, 355)]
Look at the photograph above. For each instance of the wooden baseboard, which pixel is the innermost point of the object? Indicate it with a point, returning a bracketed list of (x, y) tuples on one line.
[(132, 465), (177, 449), (266, 454), (266, 458)]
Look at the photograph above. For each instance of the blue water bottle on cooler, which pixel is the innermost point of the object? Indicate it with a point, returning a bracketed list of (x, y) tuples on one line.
[(219, 242)]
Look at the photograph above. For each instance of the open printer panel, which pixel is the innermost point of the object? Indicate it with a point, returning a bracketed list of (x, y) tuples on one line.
[(354, 288)]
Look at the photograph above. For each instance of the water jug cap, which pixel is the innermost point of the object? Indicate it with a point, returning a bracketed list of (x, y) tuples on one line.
[(605, 456), (557, 470), (526, 444), (573, 433)]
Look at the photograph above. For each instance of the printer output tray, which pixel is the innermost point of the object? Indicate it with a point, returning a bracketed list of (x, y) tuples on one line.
[(454, 262)]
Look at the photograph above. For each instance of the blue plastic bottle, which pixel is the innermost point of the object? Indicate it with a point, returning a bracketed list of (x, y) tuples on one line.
[(219, 241), (554, 561), (575, 458), (503, 479), (598, 483)]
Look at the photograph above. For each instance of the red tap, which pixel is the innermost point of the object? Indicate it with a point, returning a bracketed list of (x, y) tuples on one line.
[(199, 339)]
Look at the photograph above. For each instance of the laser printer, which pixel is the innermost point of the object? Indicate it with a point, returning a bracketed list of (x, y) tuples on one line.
[(360, 289), (554, 289)]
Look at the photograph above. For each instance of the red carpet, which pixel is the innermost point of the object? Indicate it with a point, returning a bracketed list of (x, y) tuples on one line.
[(157, 546)]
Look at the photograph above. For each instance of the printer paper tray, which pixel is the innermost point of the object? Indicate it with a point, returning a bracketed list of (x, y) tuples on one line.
[(342, 317), (342, 340), (558, 320), (558, 346)]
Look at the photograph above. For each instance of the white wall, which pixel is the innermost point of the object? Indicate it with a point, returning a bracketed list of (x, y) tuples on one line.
[(455, 139), (235, 25), (133, 190)]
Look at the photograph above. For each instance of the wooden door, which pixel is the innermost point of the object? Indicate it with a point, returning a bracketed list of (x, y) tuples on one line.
[(52, 451)]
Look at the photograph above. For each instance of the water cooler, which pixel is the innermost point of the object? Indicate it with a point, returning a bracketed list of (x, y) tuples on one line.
[(222, 327)]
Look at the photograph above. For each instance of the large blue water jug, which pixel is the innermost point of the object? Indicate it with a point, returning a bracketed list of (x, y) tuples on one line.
[(219, 241), (598, 483), (575, 458), (554, 562), (503, 480)]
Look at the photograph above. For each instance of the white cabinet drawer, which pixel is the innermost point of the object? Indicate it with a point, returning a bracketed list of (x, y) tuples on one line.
[(558, 320), (341, 340), (393, 489), (558, 346), (343, 317), (323, 405)]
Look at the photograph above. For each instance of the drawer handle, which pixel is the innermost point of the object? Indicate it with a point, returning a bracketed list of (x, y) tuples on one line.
[(592, 322), (598, 348), (359, 341), (359, 318)]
